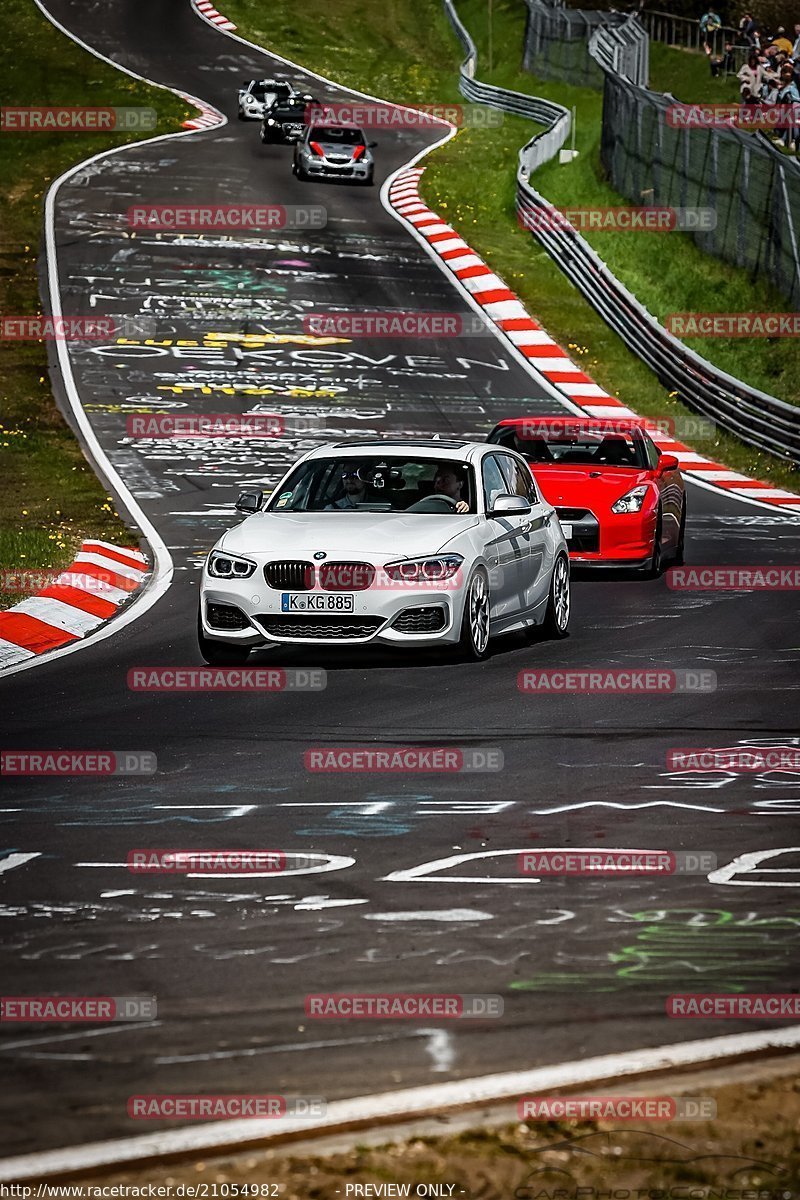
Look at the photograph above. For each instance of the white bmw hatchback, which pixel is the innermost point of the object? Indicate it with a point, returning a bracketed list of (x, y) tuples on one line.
[(396, 543)]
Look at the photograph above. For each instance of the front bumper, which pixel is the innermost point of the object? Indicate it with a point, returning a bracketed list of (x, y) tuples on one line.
[(615, 540), (314, 165), (376, 614)]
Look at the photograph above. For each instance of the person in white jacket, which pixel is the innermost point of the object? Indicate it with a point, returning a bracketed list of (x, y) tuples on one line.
[(751, 77)]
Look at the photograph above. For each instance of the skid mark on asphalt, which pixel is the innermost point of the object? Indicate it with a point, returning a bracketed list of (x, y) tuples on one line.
[(430, 1036)]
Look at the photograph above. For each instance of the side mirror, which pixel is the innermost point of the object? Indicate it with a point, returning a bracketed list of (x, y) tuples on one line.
[(249, 502), (372, 145), (667, 462), (507, 505)]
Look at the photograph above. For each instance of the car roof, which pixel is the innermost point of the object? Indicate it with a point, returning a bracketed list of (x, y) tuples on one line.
[(338, 127), (457, 451)]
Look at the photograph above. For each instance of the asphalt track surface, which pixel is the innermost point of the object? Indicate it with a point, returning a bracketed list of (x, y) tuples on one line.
[(583, 965)]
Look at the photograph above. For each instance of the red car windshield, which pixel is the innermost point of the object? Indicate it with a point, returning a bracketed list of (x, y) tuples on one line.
[(579, 445)]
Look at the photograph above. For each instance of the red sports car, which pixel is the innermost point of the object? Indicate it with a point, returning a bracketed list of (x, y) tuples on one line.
[(620, 500)]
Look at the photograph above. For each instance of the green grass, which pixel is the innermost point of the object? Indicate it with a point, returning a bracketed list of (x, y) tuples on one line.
[(50, 498), (686, 75), (407, 52)]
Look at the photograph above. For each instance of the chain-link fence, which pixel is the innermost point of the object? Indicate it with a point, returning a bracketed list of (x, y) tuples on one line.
[(753, 189), (557, 43)]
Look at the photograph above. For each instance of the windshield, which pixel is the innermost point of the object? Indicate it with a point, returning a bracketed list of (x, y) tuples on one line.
[(337, 133), (372, 484), (268, 88), (288, 110), (574, 444)]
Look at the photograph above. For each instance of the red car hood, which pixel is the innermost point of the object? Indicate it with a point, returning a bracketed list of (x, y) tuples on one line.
[(574, 487)]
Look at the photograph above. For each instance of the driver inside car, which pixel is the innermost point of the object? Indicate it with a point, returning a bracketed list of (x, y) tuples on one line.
[(355, 492), (446, 482)]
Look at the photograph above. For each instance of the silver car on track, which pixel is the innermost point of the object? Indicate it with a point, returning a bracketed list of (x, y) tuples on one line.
[(256, 95), (334, 152), (404, 543)]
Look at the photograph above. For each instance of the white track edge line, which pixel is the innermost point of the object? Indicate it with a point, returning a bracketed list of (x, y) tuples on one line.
[(225, 1136), (159, 579)]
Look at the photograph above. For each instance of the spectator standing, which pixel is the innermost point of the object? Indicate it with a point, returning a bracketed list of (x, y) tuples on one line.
[(782, 42), (747, 27), (710, 23), (796, 46), (751, 77), (788, 94)]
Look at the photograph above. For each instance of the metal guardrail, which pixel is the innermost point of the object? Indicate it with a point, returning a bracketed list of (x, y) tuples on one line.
[(755, 417), (622, 50), (760, 420), (556, 119)]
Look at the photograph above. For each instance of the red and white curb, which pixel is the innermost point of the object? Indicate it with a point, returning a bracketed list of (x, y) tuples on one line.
[(87, 594), (207, 10), (209, 117), (507, 312)]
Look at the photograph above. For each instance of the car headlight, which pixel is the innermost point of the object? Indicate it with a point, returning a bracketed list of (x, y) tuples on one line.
[(632, 501), (424, 570), (270, 121), (229, 566)]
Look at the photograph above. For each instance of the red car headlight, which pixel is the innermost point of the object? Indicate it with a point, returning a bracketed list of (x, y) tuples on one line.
[(632, 501)]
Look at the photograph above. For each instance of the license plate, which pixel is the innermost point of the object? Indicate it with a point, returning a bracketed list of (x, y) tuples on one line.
[(338, 603), (567, 531)]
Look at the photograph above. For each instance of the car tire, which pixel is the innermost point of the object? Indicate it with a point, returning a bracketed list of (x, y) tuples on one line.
[(656, 565), (241, 115), (370, 180), (556, 618), (678, 560), (300, 173), (217, 654), (475, 623)]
